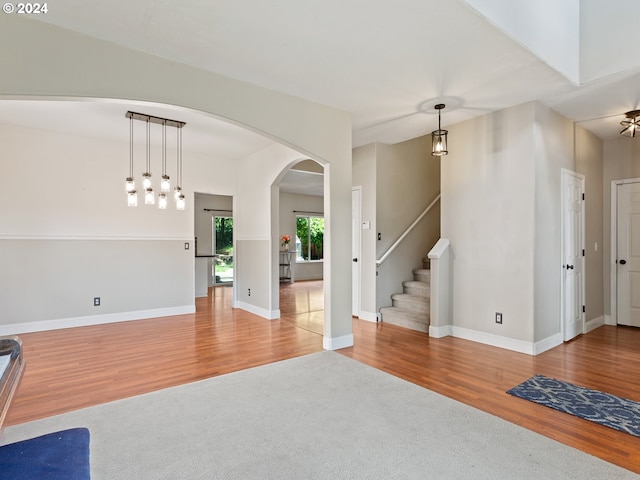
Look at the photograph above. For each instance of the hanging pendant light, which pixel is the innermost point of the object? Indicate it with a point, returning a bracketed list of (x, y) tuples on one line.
[(165, 182), (631, 123), (439, 137), (149, 197), (130, 183), (179, 196)]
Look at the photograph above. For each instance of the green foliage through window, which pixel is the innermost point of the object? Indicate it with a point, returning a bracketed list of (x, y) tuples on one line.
[(309, 237)]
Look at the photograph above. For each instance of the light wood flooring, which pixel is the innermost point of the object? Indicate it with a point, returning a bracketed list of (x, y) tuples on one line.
[(74, 368)]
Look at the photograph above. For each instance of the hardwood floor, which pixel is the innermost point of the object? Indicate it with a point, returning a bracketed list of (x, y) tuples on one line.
[(75, 368)]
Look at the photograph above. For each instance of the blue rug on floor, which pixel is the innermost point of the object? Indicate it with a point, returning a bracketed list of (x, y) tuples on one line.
[(603, 408), (56, 456)]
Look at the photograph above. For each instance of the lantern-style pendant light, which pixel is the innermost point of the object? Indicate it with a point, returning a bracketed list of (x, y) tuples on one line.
[(439, 137)]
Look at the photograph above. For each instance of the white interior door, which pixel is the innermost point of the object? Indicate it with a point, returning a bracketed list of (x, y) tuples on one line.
[(572, 254), (628, 254), (356, 226)]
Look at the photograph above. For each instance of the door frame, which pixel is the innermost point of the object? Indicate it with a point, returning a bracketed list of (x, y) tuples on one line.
[(563, 205), (613, 274), (356, 223)]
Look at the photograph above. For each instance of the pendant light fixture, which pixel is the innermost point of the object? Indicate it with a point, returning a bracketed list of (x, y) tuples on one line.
[(132, 195), (149, 197), (180, 202), (165, 182), (631, 123), (439, 137)]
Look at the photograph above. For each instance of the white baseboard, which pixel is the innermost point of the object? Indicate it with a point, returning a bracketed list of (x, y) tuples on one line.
[(369, 316), (40, 326), (608, 320), (547, 344), (337, 343), (261, 312), (595, 323), (522, 346), (439, 332)]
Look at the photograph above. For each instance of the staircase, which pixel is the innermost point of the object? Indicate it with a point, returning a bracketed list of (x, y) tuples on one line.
[(410, 308)]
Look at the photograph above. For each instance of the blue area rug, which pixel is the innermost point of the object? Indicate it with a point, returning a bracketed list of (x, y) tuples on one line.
[(603, 408), (56, 456)]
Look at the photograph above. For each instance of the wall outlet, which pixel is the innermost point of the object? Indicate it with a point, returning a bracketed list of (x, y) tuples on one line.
[(96, 301), (499, 318), (186, 245), (249, 292)]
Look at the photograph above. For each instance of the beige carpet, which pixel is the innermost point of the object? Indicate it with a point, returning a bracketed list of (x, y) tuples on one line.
[(321, 416)]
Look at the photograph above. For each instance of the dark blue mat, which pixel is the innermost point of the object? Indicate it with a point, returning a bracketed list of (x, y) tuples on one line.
[(603, 408), (56, 456)]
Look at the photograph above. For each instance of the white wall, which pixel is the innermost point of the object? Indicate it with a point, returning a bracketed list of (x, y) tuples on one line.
[(548, 28)]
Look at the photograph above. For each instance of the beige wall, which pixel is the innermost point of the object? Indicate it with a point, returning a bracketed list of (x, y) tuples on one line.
[(88, 68), (364, 175), (488, 214), (501, 211), (621, 161), (407, 181), (589, 162)]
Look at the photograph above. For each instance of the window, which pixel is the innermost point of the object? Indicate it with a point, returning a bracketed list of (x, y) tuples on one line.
[(309, 238)]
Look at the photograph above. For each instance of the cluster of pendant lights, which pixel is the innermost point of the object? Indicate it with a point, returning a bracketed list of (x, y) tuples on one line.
[(439, 137), (165, 181), (631, 123)]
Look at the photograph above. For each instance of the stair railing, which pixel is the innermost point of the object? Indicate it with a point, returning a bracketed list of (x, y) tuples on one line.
[(395, 244)]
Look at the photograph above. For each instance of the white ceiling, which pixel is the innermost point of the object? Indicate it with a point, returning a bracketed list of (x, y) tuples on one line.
[(387, 63)]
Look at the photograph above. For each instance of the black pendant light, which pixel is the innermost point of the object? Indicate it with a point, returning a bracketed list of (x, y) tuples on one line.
[(439, 137)]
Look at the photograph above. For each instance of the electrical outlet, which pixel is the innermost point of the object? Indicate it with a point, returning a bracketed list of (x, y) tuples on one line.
[(499, 318), (96, 301), (186, 245), (249, 292)]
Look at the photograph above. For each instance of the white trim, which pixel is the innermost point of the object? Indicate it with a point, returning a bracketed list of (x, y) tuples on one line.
[(499, 341), (441, 331), (261, 312), (595, 323), (613, 277), (357, 278), (547, 344), (608, 320), (337, 343), (39, 326), (369, 316)]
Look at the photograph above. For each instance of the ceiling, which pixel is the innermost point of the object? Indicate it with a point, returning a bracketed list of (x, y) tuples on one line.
[(386, 63)]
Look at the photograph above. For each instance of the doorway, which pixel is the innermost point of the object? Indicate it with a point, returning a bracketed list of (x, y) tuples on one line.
[(626, 252), (573, 284), (222, 235), (214, 241)]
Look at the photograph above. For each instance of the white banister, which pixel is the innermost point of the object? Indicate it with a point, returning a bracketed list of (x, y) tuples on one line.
[(406, 232)]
